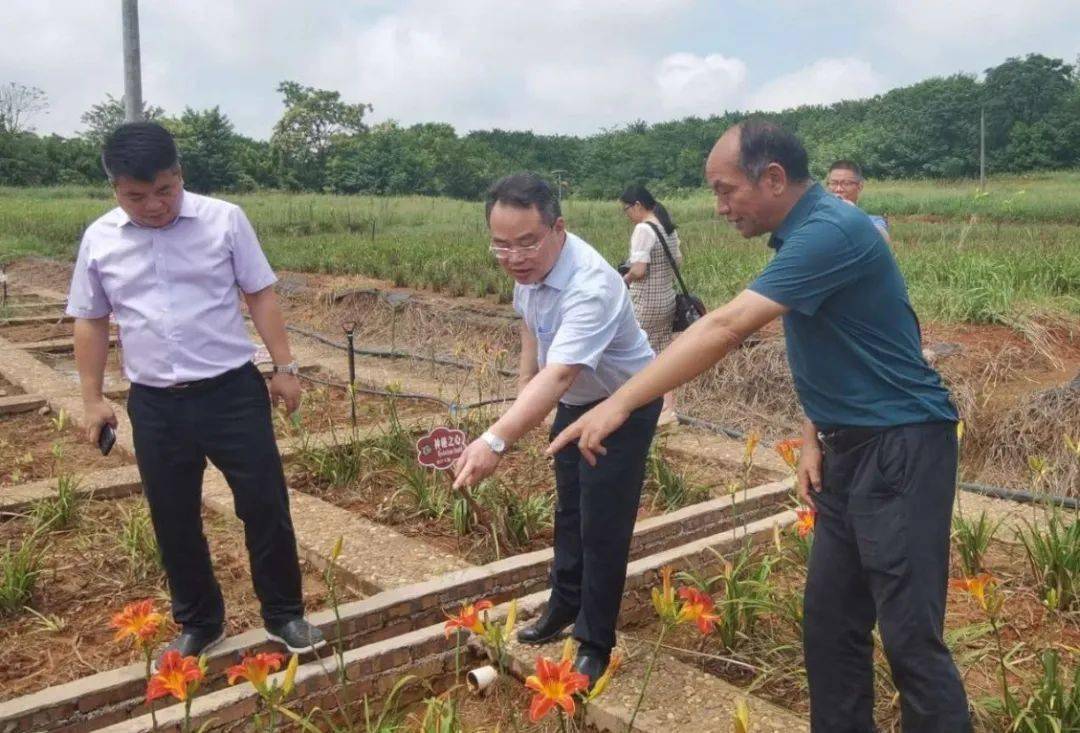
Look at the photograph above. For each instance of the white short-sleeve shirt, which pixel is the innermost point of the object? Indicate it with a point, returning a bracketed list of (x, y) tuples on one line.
[(174, 290), (581, 315)]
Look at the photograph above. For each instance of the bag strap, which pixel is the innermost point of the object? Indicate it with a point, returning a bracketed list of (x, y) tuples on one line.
[(674, 267)]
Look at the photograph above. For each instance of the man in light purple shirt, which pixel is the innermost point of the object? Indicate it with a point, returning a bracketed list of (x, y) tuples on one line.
[(170, 266)]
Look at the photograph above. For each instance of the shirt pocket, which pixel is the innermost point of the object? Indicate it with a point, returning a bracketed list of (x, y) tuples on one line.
[(544, 337)]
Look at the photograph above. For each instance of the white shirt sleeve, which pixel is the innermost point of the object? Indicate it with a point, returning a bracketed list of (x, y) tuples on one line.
[(86, 297), (641, 243), (253, 271)]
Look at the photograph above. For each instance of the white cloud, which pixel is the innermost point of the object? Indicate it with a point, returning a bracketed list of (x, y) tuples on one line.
[(562, 66), (822, 82), (699, 85), (972, 34)]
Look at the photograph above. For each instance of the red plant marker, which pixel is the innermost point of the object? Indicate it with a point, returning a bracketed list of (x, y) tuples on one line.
[(441, 447)]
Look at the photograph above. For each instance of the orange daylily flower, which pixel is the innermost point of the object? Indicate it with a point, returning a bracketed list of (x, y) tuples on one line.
[(698, 607), (255, 669), (138, 620), (554, 684), (805, 518), (979, 587), (177, 676), (468, 618), (664, 598), (788, 450)]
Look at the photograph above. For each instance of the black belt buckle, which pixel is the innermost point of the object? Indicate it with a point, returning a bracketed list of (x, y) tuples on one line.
[(181, 386), (825, 440), (845, 439)]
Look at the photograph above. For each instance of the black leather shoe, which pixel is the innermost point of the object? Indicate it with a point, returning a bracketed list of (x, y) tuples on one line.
[(194, 642), (297, 635), (551, 626), (592, 665)]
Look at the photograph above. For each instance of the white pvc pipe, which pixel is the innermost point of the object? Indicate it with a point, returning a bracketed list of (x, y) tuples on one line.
[(480, 679)]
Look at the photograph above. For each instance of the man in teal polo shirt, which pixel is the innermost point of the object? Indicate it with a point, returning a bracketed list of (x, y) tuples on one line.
[(879, 441)]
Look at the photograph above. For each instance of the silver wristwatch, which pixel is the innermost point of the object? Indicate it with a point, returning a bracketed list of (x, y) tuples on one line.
[(497, 444), (291, 368)]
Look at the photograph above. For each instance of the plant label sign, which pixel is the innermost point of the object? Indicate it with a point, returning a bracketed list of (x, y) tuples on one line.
[(441, 447)]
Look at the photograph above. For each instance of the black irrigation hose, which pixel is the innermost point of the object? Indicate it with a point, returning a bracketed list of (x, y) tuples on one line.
[(697, 422), (1024, 497), (387, 354), (453, 407)]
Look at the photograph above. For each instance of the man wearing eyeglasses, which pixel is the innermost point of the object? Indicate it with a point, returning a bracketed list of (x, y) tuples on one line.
[(845, 180), (580, 342)]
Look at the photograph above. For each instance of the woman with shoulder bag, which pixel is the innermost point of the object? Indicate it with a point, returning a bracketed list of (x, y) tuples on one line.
[(650, 273)]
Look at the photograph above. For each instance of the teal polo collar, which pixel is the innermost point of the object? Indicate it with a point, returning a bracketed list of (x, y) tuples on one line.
[(798, 214)]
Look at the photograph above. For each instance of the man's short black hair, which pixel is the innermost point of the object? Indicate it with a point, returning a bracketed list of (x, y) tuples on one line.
[(847, 165), (762, 142), (139, 150), (524, 191)]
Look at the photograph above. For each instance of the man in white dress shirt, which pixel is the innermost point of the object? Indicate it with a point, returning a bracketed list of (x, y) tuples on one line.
[(580, 342), (170, 266)]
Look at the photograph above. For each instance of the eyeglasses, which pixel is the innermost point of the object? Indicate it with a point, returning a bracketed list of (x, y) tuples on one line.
[(524, 251), (842, 184)]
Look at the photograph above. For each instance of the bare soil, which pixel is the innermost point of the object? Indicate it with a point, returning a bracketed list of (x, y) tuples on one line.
[(87, 577), (29, 332), (7, 389), (27, 443)]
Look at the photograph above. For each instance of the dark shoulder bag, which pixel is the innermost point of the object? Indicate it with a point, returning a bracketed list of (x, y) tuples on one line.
[(688, 307)]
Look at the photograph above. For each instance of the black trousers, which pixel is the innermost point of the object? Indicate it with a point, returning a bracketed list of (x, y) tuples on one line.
[(594, 522), (881, 553), (228, 421)]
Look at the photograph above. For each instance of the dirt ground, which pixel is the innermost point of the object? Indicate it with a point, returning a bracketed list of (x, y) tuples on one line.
[(87, 577), (27, 443), (36, 332), (7, 389)]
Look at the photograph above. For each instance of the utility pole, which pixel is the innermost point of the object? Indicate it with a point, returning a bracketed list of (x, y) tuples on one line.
[(982, 150), (558, 173), (133, 105)]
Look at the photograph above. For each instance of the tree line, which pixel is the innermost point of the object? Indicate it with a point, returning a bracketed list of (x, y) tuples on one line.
[(323, 143)]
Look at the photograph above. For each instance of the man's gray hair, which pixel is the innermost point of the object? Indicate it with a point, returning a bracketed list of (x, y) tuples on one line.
[(762, 143)]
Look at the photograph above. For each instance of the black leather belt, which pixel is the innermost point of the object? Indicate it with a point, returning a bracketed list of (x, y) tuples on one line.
[(199, 385), (841, 440)]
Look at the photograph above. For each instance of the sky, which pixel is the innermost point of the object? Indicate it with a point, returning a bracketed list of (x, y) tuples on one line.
[(561, 66)]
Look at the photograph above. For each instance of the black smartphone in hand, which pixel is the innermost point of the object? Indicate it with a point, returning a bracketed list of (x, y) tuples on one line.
[(106, 439)]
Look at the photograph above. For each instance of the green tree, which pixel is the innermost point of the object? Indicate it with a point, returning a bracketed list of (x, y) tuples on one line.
[(314, 119), (1022, 90), (106, 116), (208, 150), (927, 129)]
